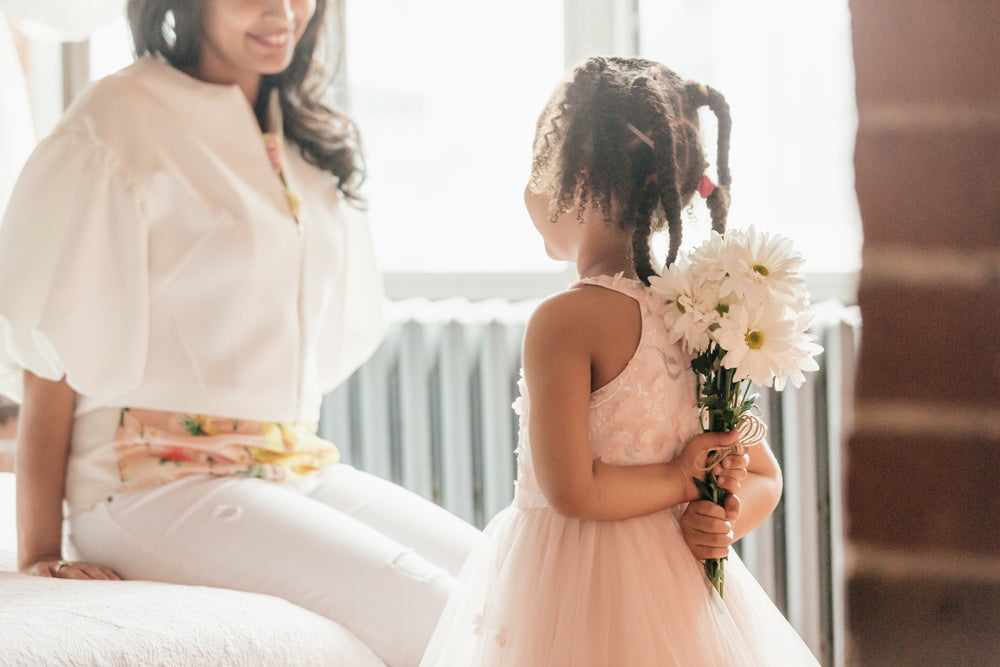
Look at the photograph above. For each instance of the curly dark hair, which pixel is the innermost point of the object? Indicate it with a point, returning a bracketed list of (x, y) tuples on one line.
[(584, 131), (326, 136)]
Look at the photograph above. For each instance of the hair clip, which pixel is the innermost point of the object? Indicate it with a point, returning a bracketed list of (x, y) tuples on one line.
[(705, 187), (645, 138)]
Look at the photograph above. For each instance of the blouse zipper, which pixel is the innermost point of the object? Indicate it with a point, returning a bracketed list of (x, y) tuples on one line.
[(274, 142)]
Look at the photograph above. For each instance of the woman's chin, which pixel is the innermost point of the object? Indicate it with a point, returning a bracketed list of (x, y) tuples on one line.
[(272, 63)]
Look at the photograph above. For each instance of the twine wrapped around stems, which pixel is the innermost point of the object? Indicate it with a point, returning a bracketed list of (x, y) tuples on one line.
[(752, 433)]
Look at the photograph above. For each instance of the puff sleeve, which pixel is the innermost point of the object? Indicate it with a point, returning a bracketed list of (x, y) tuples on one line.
[(354, 322), (73, 271)]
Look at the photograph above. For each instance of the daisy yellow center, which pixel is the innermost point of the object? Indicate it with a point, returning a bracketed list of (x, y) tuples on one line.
[(755, 340), (761, 269)]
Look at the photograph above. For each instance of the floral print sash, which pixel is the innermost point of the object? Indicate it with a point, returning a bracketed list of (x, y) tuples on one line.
[(154, 447)]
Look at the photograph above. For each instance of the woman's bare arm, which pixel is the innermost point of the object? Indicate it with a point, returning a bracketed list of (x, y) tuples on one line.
[(45, 426)]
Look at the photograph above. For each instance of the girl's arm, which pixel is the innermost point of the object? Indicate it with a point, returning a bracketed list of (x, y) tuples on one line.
[(758, 494), (709, 530), (44, 428), (560, 344)]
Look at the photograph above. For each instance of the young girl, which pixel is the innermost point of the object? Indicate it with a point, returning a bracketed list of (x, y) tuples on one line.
[(597, 561), (181, 279)]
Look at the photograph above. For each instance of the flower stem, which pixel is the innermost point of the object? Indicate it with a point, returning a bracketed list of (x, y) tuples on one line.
[(726, 401)]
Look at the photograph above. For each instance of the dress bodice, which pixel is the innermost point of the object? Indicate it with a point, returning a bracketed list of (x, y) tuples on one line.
[(644, 415)]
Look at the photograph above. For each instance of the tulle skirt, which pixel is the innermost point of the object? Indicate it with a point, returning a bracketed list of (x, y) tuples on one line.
[(546, 590)]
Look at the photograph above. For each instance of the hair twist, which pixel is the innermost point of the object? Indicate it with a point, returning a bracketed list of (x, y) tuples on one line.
[(592, 146)]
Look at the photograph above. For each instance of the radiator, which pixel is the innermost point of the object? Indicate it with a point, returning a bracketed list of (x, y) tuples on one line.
[(431, 411)]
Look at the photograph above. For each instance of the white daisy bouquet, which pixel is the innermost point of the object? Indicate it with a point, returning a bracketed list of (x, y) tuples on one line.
[(741, 310)]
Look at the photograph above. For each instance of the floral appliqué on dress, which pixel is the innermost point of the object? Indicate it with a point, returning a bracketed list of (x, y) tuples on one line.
[(480, 628), (655, 390)]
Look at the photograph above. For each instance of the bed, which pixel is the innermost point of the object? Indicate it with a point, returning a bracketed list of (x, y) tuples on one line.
[(61, 622)]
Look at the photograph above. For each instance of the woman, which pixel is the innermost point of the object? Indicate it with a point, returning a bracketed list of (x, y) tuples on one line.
[(178, 289)]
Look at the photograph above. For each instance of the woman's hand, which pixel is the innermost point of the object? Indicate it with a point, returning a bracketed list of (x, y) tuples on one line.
[(62, 569)]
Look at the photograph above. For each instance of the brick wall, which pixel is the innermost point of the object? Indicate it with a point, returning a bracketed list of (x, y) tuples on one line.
[(924, 460)]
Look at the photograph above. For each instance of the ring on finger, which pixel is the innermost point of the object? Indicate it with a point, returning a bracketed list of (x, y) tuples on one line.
[(60, 566)]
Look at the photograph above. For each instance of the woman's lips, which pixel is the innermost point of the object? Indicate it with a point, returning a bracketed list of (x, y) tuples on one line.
[(273, 40)]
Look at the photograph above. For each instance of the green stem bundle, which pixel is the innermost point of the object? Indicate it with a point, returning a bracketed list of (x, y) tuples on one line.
[(724, 401)]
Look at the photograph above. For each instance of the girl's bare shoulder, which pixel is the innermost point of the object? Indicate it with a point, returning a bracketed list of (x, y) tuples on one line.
[(586, 317)]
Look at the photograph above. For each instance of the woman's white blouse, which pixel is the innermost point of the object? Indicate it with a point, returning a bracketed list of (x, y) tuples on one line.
[(148, 254)]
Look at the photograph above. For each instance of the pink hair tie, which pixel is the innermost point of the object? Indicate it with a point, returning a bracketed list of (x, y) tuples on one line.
[(705, 187)]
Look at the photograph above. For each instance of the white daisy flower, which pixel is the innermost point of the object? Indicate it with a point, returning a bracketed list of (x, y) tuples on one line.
[(760, 342), (708, 259), (687, 316), (803, 351), (803, 354), (761, 267)]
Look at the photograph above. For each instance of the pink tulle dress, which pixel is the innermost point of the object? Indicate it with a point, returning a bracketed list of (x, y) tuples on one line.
[(546, 590)]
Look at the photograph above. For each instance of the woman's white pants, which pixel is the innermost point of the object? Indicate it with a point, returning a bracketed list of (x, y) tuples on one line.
[(355, 548)]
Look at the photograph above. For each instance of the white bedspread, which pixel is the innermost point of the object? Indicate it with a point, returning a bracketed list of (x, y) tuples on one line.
[(61, 622)]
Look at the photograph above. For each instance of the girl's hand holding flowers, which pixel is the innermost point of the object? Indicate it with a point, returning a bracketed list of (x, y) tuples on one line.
[(731, 471), (708, 527), (692, 462), (739, 305)]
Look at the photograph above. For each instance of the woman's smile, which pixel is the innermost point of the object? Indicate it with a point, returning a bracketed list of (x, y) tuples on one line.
[(279, 40)]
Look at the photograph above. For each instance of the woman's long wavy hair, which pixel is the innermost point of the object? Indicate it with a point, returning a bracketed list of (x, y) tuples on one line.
[(327, 137), (630, 127)]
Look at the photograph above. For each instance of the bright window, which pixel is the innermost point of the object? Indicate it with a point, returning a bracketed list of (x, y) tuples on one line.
[(785, 67), (447, 94)]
